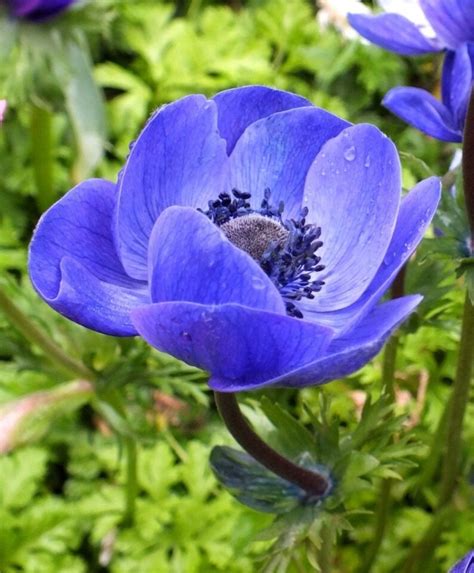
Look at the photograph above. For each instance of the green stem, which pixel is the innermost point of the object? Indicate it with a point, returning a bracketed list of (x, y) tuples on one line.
[(131, 486), (388, 388), (454, 414), (32, 333), (327, 544), (421, 553), (457, 405), (381, 519), (431, 464), (389, 366), (42, 155)]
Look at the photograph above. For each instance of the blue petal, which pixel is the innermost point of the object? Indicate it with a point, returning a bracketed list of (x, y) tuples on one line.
[(190, 259), (420, 109), (275, 153), (74, 266), (38, 10), (242, 348), (416, 212), (466, 565), (452, 20), (457, 83), (178, 159), (239, 107), (393, 32), (346, 354), (353, 193)]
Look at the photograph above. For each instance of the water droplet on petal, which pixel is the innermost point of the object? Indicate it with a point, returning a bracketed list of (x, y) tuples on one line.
[(350, 153), (257, 283), (367, 162), (186, 335), (389, 257)]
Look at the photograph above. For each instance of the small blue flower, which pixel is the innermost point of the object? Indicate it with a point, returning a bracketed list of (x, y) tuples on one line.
[(251, 235), (37, 10), (434, 25), (466, 565)]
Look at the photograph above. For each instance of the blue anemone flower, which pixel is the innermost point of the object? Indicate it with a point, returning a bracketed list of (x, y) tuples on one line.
[(466, 565), (37, 10), (251, 235), (430, 26)]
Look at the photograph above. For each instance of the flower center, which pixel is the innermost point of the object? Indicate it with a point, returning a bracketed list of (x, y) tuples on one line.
[(286, 250), (254, 234)]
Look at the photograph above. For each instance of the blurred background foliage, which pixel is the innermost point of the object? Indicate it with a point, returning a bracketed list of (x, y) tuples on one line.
[(61, 494)]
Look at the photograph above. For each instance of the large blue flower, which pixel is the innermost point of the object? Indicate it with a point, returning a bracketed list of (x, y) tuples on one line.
[(433, 25), (37, 10), (251, 235)]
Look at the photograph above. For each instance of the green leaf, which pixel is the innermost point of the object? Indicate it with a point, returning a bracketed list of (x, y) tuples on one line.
[(21, 475), (85, 107), (293, 437)]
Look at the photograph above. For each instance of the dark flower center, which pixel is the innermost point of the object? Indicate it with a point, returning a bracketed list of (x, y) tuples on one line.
[(285, 249)]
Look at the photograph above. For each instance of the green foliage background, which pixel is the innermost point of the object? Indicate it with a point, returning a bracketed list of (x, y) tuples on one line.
[(61, 499)]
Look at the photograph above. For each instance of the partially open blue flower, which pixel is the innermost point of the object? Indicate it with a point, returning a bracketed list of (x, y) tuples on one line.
[(432, 26), (251, 235), (466, 565), (37, 10)]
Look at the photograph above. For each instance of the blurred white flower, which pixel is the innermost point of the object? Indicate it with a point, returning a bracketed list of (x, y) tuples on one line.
[(334, 13), (411, 9)]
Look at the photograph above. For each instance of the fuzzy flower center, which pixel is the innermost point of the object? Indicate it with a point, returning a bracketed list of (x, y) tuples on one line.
[(254, 234), (285, 249)]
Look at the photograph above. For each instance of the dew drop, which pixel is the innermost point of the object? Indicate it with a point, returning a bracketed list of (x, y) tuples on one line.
[(186, 335), (389, 257), (257, 283), (367, 162), (350, 153)]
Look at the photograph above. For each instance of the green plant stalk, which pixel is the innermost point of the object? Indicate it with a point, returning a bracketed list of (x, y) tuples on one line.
[(456, 409), (388, 367), (432, 461), (419, 557), (457, 405), (388, 388), (326, 551), (42, 155), (384, 497), (35, 335), (131, 486), (382, 512)]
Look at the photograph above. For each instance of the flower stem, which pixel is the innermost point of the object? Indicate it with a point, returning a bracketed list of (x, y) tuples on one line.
[(312, 482), (131, 486), (388, 388), (454, 414), (381, 517), (423, 550), (32, 333), (42, 155), (457, 405), (327, 544)]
